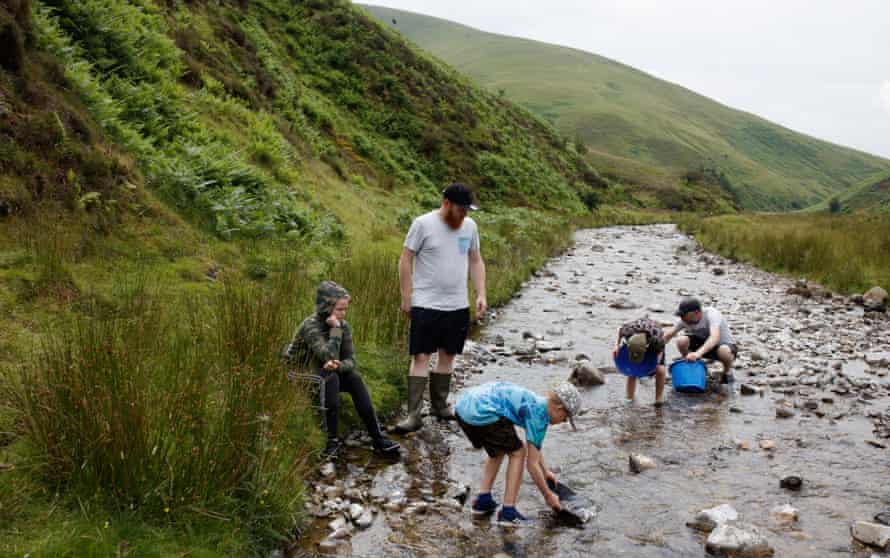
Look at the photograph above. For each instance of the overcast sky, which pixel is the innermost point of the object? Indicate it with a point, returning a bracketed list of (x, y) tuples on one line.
[(821, 67)]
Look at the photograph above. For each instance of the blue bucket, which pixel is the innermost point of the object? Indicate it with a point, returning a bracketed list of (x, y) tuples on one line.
[(688, 377), (638, 370)]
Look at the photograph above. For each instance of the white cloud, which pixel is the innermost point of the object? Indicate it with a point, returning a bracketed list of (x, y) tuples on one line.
[(885, 95)]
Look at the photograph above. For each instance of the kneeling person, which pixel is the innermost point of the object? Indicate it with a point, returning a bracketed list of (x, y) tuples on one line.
[(706, 335), (488, 413)]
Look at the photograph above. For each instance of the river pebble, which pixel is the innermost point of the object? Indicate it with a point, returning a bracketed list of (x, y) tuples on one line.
[(737, 541)]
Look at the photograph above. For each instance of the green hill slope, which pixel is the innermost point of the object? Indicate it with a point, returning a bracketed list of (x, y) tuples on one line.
[(871, 194), (622, 113), (175, 179)]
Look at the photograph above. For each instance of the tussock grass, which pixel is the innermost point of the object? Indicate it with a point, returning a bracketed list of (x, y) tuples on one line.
[(173, 409), (847, 253)]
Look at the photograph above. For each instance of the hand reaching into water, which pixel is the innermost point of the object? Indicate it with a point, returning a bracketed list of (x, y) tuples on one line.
[(552, 500)]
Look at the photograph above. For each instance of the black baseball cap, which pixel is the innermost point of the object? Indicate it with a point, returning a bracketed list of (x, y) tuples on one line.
[(688, 305), (461, 195)]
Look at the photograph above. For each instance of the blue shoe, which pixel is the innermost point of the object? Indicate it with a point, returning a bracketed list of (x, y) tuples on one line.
[(481, 509), (511, 518)]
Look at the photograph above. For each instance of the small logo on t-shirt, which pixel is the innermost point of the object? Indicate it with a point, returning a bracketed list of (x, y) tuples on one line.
[(463, 244)]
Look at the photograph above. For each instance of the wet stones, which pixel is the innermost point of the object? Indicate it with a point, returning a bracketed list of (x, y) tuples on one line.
[(883, 517), (872, 534), (584, 374), (878, 358), (624, 304), (328, 471), (718, 271), (875, 299), (707, 520), (338, 524), (328, 547), (546, 346), (395, 502), (785, 512), (738, 542), (784, 412), (639, 463), (791, 482), (748, 389)]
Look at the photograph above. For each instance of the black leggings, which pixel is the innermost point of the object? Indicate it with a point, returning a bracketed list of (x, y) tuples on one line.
[(351, 383)]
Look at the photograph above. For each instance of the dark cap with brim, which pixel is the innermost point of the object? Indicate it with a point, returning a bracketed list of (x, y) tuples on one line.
[(688, 305), (461, 195)]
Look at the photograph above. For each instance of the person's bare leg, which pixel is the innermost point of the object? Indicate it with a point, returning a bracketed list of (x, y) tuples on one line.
[(490, 472), (444, 363), (631, 388), (726, 358), (660, 376), (683, 345), (515, 470), (420, 364)]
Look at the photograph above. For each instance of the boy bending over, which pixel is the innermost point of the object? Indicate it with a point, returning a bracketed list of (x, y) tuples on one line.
[(488, 413)]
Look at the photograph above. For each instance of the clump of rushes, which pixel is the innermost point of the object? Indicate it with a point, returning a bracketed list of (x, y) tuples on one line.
[(845, 252), (176, 410)]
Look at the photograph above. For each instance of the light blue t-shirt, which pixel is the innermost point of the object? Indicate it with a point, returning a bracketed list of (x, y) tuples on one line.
[(486, 404)]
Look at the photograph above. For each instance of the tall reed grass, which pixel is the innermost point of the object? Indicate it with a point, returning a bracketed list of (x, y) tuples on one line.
[(847, 253), (174, 410)]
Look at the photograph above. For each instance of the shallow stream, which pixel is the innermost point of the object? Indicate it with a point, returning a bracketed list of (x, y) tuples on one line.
[(707, 448)]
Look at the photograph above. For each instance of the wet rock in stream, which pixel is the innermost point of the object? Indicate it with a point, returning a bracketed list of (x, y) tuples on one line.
[(707, 520), (584, 374), (791, 482), (639, 463), (872, 534), (736, 541)]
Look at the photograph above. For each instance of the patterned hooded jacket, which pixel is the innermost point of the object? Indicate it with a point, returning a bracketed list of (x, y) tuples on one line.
[(315, 342), (653, 332)]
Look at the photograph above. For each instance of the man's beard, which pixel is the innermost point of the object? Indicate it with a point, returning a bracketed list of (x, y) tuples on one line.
[(453, 221)]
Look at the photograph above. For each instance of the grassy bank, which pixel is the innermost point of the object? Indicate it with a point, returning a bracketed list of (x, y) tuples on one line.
[(143, 406), (847, 253)]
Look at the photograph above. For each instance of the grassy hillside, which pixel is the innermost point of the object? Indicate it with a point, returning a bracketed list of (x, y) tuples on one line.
[(623, 114), (871, 194), (175, 178)]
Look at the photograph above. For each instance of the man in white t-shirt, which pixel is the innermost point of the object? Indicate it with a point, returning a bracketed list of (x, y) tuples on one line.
[(441, 248), (705, 334)]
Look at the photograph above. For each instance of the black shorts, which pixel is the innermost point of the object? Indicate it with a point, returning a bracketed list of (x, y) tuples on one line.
[(498, 438), (432, 330), (695, 344)]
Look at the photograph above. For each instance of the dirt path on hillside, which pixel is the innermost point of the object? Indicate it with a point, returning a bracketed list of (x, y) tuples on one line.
[(823, 361)]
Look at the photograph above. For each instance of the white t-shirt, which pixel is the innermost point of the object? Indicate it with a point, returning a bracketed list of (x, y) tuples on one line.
[(441, 261), (702, 330)]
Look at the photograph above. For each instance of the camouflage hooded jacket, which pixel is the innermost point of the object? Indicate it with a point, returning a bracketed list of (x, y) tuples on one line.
[(654, 334), (315, 342)]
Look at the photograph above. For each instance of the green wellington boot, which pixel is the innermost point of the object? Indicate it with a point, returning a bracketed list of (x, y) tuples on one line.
[(440, 386), (412, 422)]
